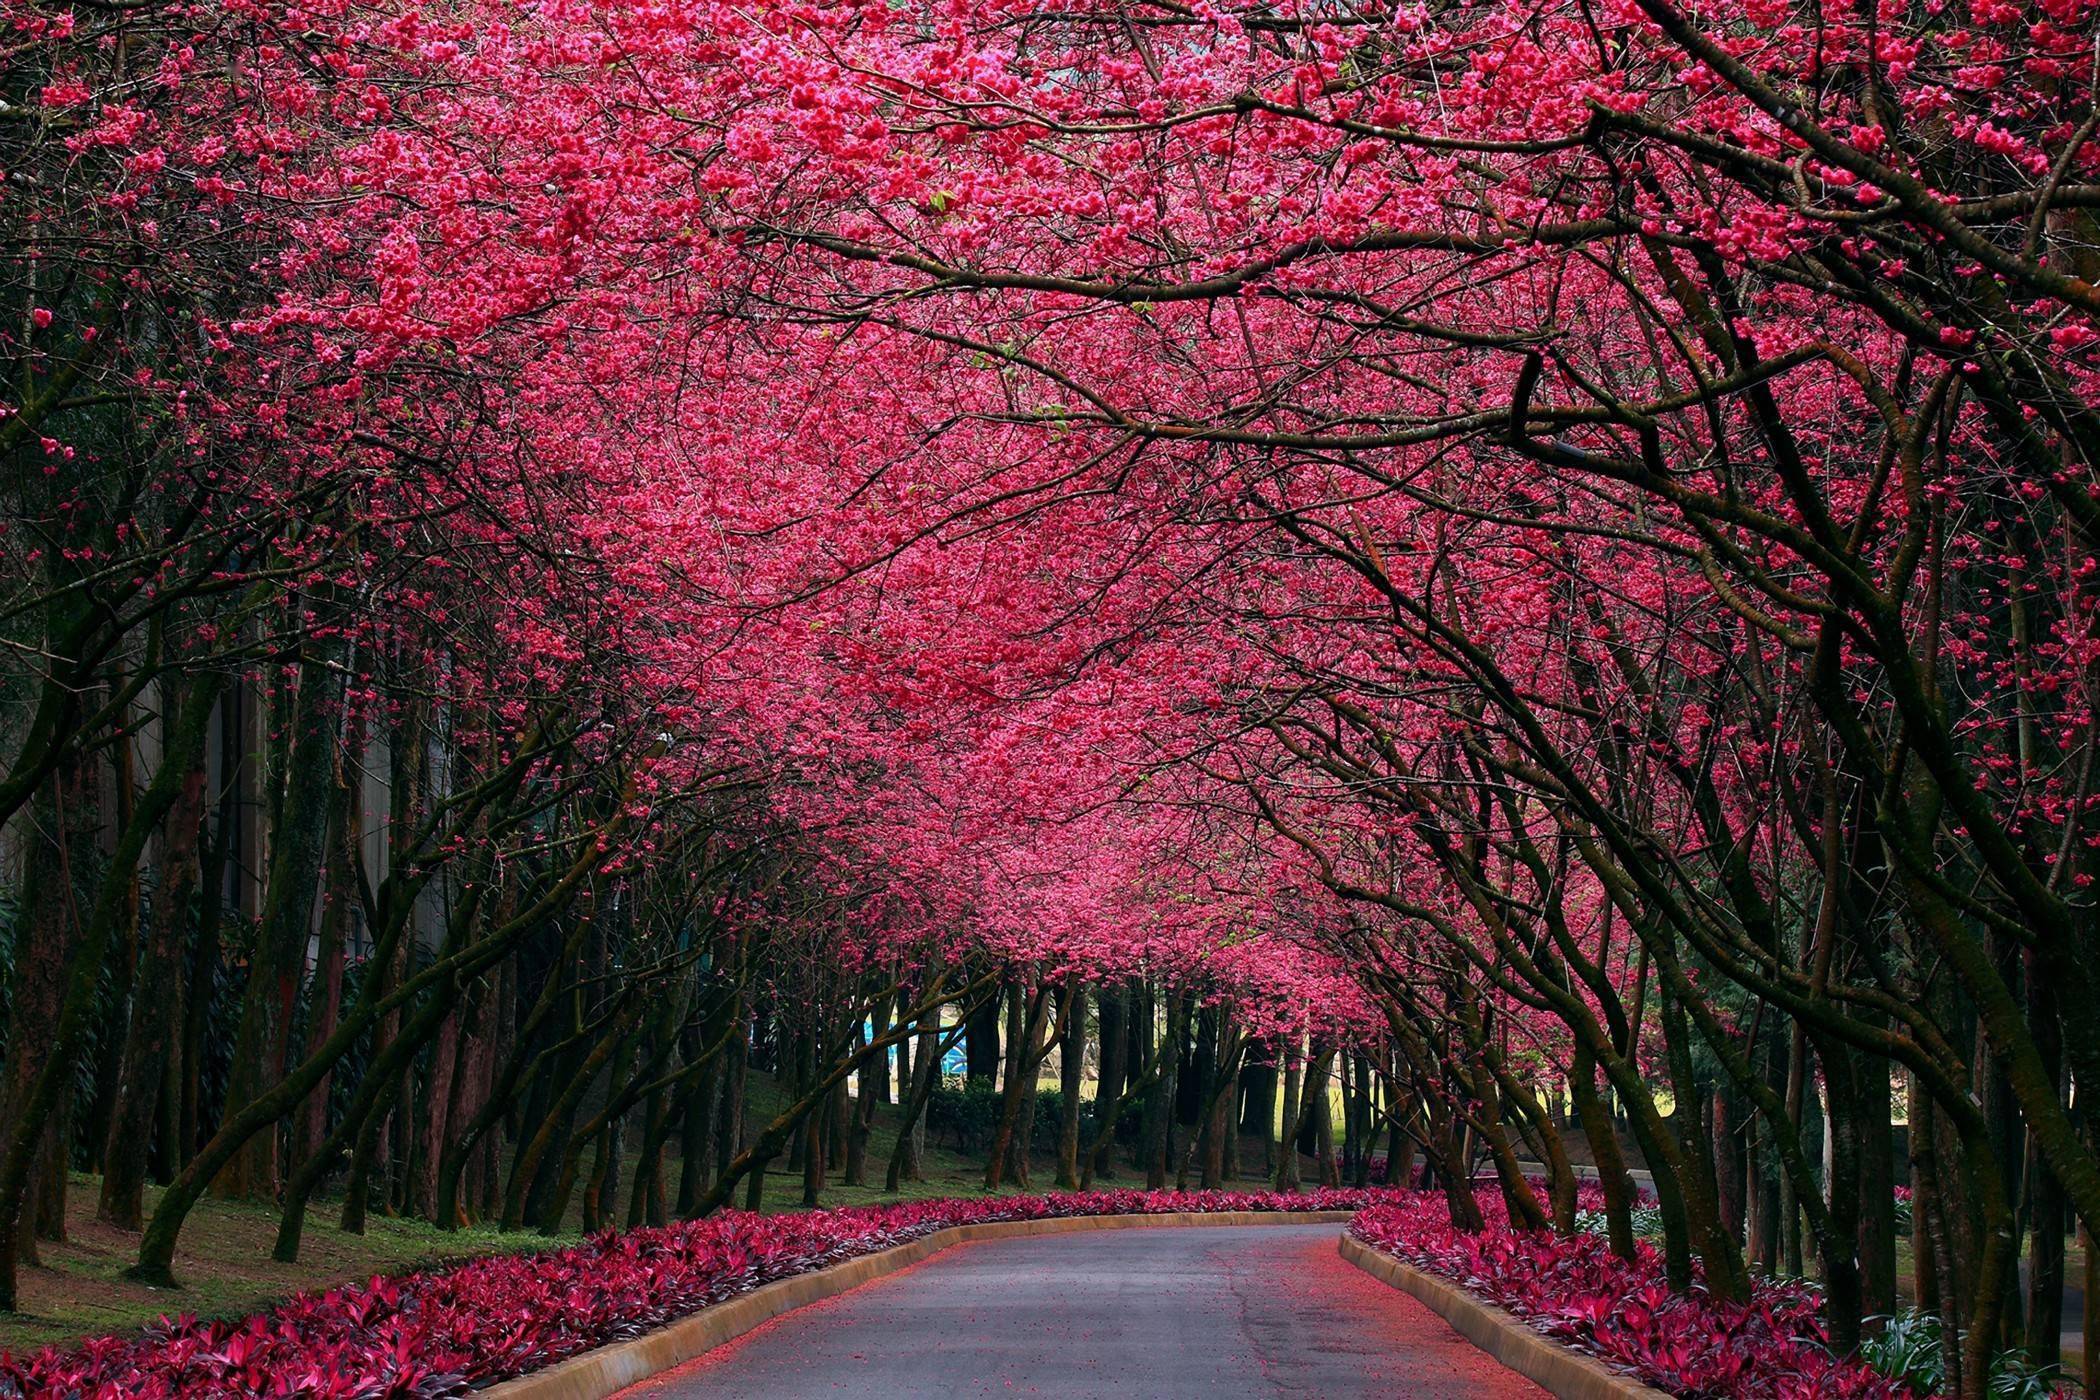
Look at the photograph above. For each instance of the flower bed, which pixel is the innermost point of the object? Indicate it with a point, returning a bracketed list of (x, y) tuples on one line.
[(1576, 1291), (453, 1331)]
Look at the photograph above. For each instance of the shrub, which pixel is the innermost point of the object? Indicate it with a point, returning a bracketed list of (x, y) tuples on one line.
[(1647, 1222), (448, 1332), (965, 1117), (1575, 1290), (1908, 1349), (1050, 1115)]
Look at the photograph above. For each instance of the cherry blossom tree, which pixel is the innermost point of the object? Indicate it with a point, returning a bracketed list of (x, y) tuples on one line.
[(1537, 555)]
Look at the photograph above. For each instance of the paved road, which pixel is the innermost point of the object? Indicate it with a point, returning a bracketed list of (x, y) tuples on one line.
[(1205, 1312)]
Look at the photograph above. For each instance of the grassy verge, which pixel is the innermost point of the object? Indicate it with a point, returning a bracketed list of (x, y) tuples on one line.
[(226, 1270), (224, 1263)]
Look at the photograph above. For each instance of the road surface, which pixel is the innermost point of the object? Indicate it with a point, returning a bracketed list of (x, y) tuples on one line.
[(1201, 1312)]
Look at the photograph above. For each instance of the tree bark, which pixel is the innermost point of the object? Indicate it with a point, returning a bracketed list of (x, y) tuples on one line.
[(339, 898), (1293, 1089), (1160, 1098), (729, 1131), (1029, 1014), (149, 1036), (1071, 1080), (1613, 1179), (201, 980), (926, 1073), (444, 1066), (36, 1086), (702, 1096), (1108, 1090), (981, 1046), (296, 848)]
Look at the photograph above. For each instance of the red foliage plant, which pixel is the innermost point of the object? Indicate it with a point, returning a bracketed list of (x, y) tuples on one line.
[(451, 1331), (1573, 1289)]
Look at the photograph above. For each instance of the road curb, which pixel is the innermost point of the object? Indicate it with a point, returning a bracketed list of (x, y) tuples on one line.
[(1568, 1374), (595, 1374)]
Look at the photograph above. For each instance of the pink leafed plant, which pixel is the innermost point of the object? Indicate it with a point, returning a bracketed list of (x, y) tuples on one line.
[(452, 1331), (1573, 1289)]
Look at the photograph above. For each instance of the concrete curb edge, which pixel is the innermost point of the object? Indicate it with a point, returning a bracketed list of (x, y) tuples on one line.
[(603, 1371), (1565, 1372)]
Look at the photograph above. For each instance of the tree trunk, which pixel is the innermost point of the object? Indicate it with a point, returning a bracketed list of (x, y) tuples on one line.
[(35, 1096), (926, 1073), (2048, 1221), (1367, 1121), (119, 972), (729, 1129), (862, 1127), (1028, 1015), (2048, 1206), (1115, 1060), (551, 1134), (814, 1131), (59, 851), (339, 899), (444, 1066), (601, 1194), (362, 1122), (1220, 1115), (1877, 1189), (1613, 1179), (1789, 1202), (201, 980), (296, 848), (933, 1048), (1399, 1147), (2089, 1313), (471, 1082), (1071, 1079), (149, 1036), (837, 1127), (1161, 1099), (696, 1133), (875, 1079), (370, 1143), (981, 1045), (651, 1206), (1322, 1106), (1293, 1089), (853, 1119)]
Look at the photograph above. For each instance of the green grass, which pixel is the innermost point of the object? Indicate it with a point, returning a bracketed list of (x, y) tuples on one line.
[(225, 1269), (224, 1264)]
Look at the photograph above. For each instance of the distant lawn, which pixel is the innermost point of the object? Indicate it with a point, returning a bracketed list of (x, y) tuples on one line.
[(226, 1270), (224, 1263)]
